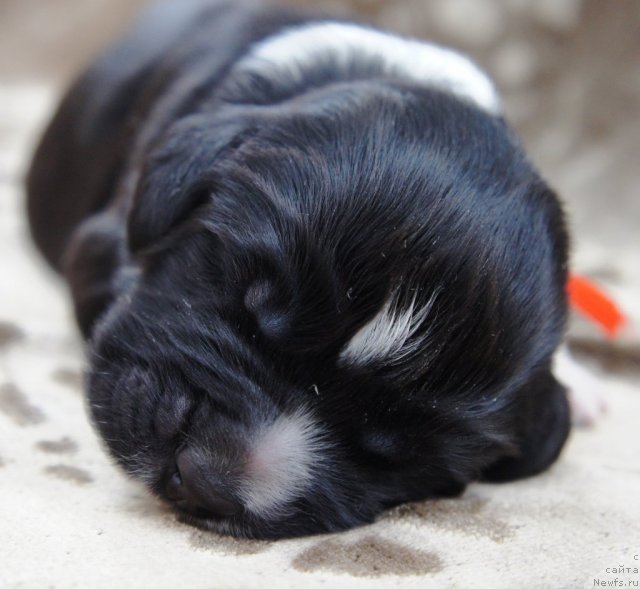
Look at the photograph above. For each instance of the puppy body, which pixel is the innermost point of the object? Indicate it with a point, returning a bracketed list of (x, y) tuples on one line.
[(318, 274)]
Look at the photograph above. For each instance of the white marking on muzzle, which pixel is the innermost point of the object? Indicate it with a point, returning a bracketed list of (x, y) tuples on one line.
[(282, 462), (298, 48)]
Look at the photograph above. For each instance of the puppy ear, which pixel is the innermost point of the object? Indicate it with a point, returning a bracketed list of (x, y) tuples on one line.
[(177, 177), (542, 426), (91, 263)]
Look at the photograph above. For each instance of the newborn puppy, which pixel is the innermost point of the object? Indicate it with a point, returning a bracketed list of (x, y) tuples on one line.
[(318, 275)]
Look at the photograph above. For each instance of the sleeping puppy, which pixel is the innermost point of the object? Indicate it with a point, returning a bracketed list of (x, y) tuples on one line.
[(318, 274)]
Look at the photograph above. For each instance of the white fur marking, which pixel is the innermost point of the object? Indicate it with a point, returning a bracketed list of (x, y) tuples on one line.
[(298, 47), (282, 462), (388, 336)]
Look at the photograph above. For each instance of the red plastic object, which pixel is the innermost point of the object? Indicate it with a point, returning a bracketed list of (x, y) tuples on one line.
[(588, 299)]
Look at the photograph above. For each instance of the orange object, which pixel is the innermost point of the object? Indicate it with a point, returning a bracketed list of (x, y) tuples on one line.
[(587, 298)]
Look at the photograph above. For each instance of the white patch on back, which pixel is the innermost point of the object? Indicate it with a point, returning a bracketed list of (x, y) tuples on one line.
[(281, 463), (297, 48), (390, 335)]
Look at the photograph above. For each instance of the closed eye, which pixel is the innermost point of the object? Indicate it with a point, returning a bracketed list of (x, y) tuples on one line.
[(383, 445), (219, 407)]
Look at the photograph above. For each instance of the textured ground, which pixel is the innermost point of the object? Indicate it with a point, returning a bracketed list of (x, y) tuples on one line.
[(68, 518)]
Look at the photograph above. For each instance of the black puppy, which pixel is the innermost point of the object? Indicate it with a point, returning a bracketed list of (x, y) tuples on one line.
[(318, 274)]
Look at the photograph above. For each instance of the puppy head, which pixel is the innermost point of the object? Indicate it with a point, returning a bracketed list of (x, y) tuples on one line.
[(336, 301)]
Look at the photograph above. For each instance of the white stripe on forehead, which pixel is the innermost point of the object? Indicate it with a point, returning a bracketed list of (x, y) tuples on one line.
[(390, 335), (282, 462), (298, 47)]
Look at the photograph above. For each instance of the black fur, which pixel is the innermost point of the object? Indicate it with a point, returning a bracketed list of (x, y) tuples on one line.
[(225, 237)]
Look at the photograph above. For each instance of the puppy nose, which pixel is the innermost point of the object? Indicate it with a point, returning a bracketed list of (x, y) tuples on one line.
[(194, 489)]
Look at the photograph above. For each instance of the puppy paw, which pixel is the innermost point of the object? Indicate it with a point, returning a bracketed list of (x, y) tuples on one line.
[(586, 406), (586, 399)]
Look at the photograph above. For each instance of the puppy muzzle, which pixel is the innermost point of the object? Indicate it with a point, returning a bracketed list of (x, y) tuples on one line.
[(196, 489)]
